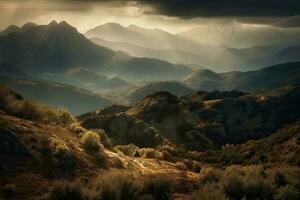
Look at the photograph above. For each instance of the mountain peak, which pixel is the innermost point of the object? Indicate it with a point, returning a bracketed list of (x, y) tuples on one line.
[(28, 25), (53, 22), (112, 25)]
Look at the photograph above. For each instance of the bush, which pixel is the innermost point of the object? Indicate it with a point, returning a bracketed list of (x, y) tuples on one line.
[(91, 141), (150, 153), (117, 186), (180, 165), (288, 192), (157, 187), (126, 186), (67, 191), (129, 150), (210, 176), (210, 191), (63, 156), (77, 128)]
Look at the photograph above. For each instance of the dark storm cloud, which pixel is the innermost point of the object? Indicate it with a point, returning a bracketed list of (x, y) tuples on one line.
[(215, 8)]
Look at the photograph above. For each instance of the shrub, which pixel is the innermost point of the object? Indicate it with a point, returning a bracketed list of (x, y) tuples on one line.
[(150, 153), (288, 192), (196, 167), (91, 141), (210, 176), (67, 191), (180, 165), (77, 128), (129, 150), (126, 186), (232, 186), (62, 156), (210, 191), (157, 187), (117, 186)]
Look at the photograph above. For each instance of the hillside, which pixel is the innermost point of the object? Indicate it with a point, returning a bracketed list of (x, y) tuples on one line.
[(289, 54), (76, 100), (147, 69), (96, 81), (40, 155), (46, 153), (252, 81), (173, 87), (200, 120)]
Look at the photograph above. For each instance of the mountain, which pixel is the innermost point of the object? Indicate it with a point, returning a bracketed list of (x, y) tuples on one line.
[(10, 29), (96, 81), (289, 54), (252, 81), (171, 55), (77, 101), (147, 38), (140, 69), (173, 87), (182, 49), (153, 39), (55, 47)]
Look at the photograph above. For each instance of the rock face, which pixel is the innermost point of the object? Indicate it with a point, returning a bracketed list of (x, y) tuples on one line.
[(10, 143)]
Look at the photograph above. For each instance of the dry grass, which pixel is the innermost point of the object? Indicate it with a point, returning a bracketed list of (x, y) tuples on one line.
[(14, 104)]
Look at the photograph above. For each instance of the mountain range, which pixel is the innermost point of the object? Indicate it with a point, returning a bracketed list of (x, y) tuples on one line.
[(252, 81), (179, 49)]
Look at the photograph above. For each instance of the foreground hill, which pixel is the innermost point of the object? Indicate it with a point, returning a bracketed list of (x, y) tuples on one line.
[(252, 81), (46, 154), (42, 147), (76, 100)]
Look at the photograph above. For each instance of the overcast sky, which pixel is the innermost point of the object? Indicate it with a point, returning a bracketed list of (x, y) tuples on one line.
[(170, 15)]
